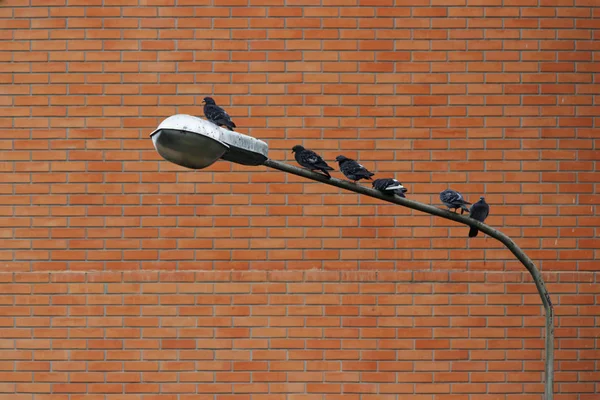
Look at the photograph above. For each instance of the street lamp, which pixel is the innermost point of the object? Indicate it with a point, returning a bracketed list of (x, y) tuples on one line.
[(196, 143)]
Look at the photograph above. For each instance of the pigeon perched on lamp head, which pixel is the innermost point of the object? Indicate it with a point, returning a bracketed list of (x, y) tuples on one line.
[(453, 199), (479, 211), (389, 186), (353, 170), (216, 114), (310, 160)]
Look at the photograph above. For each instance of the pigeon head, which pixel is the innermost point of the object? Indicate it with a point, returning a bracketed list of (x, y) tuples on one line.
[(341, 159), (482, 198), (297, 148), (208, 100)]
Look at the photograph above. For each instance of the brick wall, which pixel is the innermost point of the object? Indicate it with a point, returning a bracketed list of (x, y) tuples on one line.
[(126, 277), (293, 334)]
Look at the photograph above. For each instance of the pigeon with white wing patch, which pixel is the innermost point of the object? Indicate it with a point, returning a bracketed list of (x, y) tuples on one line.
[(389, 186)]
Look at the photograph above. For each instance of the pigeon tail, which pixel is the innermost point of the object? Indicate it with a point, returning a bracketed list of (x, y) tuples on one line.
[(473, 232), (323, 167), (365, 175), (223, 122), (324, 171)]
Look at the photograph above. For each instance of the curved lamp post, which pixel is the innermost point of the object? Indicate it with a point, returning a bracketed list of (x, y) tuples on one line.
[(196, 143)]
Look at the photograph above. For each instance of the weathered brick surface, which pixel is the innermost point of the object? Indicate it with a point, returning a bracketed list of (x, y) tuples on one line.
[(486, 96)]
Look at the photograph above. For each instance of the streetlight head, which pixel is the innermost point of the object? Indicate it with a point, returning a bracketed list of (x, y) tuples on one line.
[(187, 149), (195, 143)]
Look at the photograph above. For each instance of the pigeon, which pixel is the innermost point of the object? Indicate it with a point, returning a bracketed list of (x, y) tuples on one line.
[(389, 186), (453, 199), (479, 211), (310, 160), (216, 114), (353, 170)]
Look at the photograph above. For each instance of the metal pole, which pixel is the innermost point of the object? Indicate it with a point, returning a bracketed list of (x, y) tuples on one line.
[(426, 208)]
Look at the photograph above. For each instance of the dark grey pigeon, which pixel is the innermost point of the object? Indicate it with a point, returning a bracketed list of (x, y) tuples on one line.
[(453, 199), (389, 186), (353, 170), (216, 114), (310, 160), (479, 211)]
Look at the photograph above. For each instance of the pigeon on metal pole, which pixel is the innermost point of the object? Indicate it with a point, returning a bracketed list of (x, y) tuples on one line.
[(479, 211), (216, 114), (353, 170), (310, 160), (389, 186), (453, 199)]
